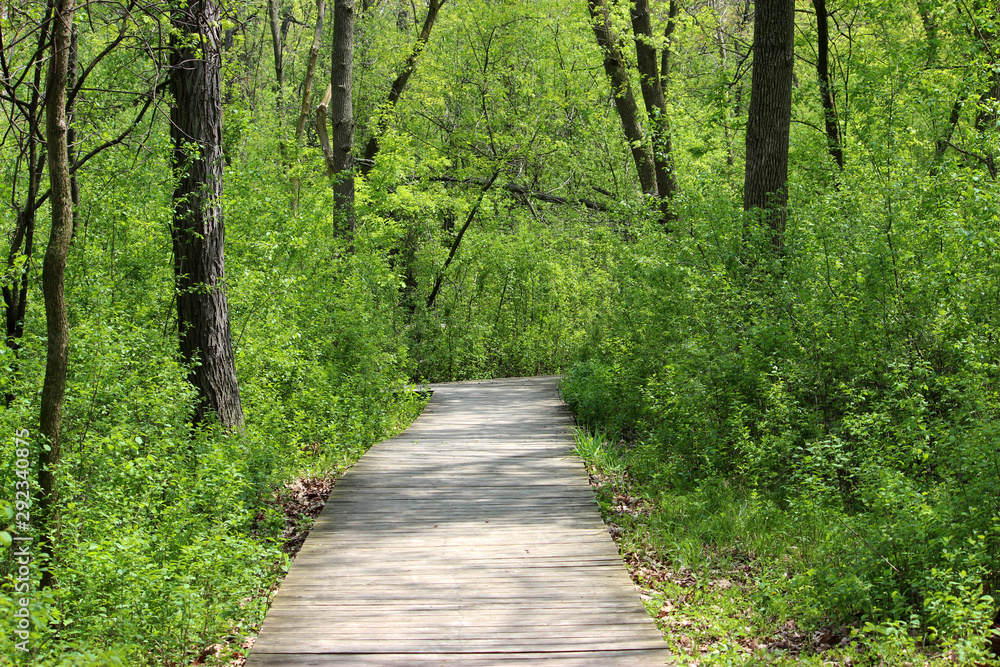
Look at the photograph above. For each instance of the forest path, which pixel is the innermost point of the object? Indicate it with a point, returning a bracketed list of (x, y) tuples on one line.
[(472, 538)]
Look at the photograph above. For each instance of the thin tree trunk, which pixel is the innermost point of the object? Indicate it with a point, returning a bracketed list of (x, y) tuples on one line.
[(373, 146), (653, 94), (628, 111), (307, 84), (276, 39), (71, 116), (737, 97), (941, 145), (53, 271), (458, 241), (341, 111), (197, 229), (766, 181), (831, 120), (15, 293), (727, 126), (926, 8)]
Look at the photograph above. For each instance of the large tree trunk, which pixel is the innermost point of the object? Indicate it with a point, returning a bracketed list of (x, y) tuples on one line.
[(766, 181), (373, 146), (342, 112), (197, 229), (53, 270), (651, 84), (628, 111), (830, 117)]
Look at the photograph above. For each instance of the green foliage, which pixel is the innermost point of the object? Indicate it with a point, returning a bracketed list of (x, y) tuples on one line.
[(846, 397), (825, 418)]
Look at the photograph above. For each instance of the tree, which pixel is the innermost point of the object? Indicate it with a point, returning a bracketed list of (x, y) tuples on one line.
[(278, 49), (830, 117), (22, 91), (399, 84), (28, 111), (197, 229), (342, 111), (653, 80), (54, 268), (770, 113), (621, 87), (311, 60)]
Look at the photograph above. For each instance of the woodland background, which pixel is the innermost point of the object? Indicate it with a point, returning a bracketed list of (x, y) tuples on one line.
[(791, 409)]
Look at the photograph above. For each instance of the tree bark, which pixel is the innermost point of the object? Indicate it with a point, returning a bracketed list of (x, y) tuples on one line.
[(341, 112), (307, 84), (197, 230), (766, 179), (628, 111), (830, 117), (53, 271), (651, 83), (276, 39), (373, 146)]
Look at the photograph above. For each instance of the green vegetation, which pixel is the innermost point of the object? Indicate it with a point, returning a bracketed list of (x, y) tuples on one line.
[(791, 411)]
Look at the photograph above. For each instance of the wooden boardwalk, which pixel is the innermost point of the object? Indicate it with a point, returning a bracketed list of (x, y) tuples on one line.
[(473, 538)]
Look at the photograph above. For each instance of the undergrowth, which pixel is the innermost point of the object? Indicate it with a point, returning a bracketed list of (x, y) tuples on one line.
[(732, 579)]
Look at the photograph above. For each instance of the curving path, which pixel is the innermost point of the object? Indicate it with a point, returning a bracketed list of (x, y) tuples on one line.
[(472, 538)]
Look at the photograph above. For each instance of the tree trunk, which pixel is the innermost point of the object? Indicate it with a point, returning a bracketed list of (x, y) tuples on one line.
[(766, 180), (628, 111), (53, 270), (341, 112), (197, 229), (832, 121), (458, 241), (651, 84), (373, 146), (300, 126), (276, 39), (926, 9), (71, 74), (941, 145)]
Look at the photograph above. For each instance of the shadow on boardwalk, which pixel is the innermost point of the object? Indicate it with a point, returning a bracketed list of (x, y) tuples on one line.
[(472, 538)]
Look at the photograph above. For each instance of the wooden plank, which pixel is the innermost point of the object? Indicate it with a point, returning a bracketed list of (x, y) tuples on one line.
[(472, 538), (641, 658)]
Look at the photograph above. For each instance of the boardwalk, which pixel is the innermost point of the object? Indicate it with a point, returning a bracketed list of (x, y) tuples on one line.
[(472, 538)]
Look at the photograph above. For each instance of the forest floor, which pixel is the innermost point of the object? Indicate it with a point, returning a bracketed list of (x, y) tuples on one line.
[(706, 615), (711, 615)]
